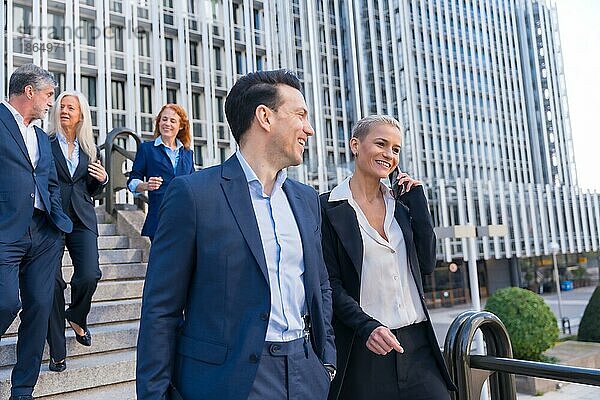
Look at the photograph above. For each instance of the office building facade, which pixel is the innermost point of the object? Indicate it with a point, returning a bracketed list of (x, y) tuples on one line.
[(478, 85)]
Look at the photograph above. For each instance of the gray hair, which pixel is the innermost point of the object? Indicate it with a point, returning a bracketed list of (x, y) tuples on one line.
[(83, 131), (29, 74), (362, 127)]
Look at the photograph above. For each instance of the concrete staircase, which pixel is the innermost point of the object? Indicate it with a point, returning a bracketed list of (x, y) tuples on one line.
[(106, 370)]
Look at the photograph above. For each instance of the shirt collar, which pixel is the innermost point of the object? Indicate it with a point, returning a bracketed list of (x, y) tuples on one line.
[(251, 175), (18, 117), (63, 139), (342, 191), (158, 141)]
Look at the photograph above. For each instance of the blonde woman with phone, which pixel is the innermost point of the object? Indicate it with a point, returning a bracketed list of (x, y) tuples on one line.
[(377, 244)]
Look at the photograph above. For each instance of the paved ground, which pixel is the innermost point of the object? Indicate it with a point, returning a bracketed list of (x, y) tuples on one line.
[(573, 304), (567, 392)]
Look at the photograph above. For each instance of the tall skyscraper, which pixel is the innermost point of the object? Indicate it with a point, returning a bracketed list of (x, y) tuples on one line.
[(478, 85)]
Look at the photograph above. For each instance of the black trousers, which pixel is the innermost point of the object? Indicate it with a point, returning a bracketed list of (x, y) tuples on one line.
[(27, 270), (290, 371), (82, 244), (412, 375)]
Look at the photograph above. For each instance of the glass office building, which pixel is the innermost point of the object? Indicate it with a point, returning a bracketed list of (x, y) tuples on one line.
[(478, 85)]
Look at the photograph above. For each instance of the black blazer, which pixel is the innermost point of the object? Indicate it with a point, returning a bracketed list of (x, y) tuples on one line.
[(77, 191), (343, 253)]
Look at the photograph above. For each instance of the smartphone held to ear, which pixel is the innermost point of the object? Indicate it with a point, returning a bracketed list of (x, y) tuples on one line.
[(397, 189)]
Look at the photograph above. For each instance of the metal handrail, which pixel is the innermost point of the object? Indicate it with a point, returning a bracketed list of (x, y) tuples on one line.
[(586, 376), (111, 152), (471, 371)]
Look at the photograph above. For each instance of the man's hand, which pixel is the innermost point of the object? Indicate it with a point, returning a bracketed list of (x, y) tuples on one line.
[(381, 341)]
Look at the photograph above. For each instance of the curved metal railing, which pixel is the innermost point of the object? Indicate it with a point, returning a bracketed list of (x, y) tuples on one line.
[(471, 371), (115, 157)]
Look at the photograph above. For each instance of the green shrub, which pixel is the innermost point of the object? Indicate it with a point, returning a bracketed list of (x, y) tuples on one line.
[(589, 327), (530, 322)]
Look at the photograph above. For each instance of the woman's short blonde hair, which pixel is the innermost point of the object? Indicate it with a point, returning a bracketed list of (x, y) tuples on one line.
[(362, 127)]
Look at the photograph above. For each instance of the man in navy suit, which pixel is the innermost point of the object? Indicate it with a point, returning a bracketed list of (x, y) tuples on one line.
[(237, 303), (31, 220)]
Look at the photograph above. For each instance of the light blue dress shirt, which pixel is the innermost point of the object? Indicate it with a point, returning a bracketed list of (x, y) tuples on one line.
[(73, 161), (282, 246), (173, 156)]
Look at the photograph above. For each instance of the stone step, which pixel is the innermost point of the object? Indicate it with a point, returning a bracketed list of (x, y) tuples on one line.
[(114, 290), (83, 372), (113, 271), (102, 313), (113, 242), (119, 391), (117, 256), (102, 216), (105, 338), (107, 229)]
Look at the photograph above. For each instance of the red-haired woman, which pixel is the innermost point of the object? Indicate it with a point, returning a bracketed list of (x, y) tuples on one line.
[(159, 161)]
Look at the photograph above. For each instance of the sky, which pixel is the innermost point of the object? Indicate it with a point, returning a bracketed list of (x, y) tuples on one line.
[(579, 26)]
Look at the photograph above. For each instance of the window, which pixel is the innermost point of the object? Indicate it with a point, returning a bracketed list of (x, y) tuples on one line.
[(145, 99), (144, 44), (220, 109), (196, 106), (217, 53), (88, 32), (194, 53), (23, 19), (56, 26), (116, 37), (257, 20), (118, 95), (61, 79), (172, 96), (88, 88), (169, 52), (240, 62)]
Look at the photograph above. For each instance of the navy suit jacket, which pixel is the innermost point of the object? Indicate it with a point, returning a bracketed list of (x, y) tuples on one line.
[(206, 298), (20, 178), (151, 160), (77, 191), (343, 252)]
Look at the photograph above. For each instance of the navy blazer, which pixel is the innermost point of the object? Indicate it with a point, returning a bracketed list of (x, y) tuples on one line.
[(77, 191), (20, 178), (207, 300), (151, 160), (343, 252)]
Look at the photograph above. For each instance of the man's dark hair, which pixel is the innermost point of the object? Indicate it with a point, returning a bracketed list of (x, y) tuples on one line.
[(252, 90), (29, 74)]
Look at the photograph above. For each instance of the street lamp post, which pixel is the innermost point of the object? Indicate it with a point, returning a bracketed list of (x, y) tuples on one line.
[(554, 248), (471, 233)]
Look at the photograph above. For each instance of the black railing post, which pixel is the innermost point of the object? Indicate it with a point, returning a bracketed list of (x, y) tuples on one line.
[(458, 352), (115, 155)]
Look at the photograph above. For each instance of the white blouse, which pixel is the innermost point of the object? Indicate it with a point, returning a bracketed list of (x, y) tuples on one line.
[(388, 292)]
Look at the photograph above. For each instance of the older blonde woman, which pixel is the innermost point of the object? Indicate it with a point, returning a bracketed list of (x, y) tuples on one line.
[(81, 176), (376, 246)]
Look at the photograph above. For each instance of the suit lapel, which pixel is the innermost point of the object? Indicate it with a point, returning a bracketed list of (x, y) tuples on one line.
[(403, 218), (11, 125), (81, 169), (344, 222), (59, 159), (235, 187)]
